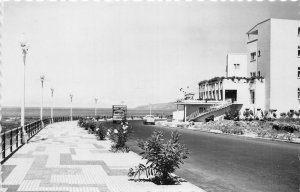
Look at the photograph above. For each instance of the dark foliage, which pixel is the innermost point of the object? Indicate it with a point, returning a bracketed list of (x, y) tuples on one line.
[(163, 158)]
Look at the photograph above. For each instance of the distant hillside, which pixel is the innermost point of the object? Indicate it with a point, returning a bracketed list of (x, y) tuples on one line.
[(158, 106)]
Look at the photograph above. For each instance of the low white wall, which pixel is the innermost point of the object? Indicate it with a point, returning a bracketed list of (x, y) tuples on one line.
[(178, 115)]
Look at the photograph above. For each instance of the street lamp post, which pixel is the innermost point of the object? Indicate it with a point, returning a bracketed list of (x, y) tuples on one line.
[(71, 112), (24, 47), (96, 100), (42, 81), (52, 91)]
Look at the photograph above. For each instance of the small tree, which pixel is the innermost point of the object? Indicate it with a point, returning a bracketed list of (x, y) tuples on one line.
[(162, 158), (119, 136)]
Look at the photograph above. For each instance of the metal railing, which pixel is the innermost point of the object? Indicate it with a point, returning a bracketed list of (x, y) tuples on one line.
[(197, 113), (12, 139)]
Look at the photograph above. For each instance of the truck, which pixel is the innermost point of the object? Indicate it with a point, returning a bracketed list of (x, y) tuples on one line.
[(119, 112)]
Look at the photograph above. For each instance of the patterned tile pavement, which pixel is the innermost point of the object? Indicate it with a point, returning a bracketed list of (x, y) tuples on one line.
[(65, 158)]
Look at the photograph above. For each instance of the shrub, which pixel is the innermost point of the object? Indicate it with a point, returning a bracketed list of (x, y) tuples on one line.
[(274, 135), (91, 125), (119, 136), (210, 118), (162, 158), (283, 115), (262, 132), (251, 112), (283, 126), (289, 137), (246, 113), (101, 132), (290, 114), (80, 122), (233, 130), (297, 113), (232, 115)]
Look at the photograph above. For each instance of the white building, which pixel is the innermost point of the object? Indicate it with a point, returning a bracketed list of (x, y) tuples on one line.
[(267, 77), (236, 65), (273, 53)]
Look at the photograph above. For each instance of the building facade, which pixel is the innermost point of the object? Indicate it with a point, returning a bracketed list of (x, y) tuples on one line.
[(265, 78), (273, 53)]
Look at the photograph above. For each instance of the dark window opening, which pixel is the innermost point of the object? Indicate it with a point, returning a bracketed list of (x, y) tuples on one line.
[(231, 94), (253, 56)]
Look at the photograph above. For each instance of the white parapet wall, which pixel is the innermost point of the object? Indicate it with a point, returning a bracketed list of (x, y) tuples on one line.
[(178, 115)]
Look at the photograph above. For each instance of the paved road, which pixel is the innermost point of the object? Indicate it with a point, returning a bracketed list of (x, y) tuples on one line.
[(224, 163)]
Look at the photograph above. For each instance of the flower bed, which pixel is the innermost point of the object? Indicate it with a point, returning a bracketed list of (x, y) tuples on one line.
[(282, 129)]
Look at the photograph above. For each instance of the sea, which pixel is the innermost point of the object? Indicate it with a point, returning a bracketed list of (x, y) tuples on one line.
[(15, 112)]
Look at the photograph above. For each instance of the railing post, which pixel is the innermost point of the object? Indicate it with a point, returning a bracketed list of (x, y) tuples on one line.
[(22, 135), (17, 138), (11, 140), (25, 128), (3, 146)]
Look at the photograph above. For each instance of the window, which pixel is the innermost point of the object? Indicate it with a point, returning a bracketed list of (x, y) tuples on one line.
[(258, 54), (298, 72), (298, 50), (253, 56), (258, 73), (236, 66), (254, 74), (298, 93), (250, 74), (298, 31)]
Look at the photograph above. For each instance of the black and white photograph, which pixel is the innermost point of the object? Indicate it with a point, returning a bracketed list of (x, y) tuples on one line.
[(149, 96)]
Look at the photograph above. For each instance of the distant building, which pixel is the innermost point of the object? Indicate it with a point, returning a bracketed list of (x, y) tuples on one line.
[(267, 77)]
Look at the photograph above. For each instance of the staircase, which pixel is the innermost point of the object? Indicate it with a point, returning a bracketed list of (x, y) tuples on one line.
[(211, 109)]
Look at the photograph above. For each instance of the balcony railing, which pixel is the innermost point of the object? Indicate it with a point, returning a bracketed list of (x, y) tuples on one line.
[(11, 140), (215, 107)]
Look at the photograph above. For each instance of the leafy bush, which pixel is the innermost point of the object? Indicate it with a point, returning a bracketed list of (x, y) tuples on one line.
[(289, 137), (262, 132), (162, 158), (283, 115), (290, 114), (101, 131), (80, 121), (232, 115), (297, 113), (210, 118), (246, 113), (283, 126), (233, 130), (119, 136), (91, 125), (274, 135)]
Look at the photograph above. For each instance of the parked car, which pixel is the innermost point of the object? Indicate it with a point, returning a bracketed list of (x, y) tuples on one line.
[(149, 119)]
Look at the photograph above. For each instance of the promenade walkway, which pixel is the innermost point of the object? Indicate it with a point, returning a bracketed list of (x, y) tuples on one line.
[(65, 158)]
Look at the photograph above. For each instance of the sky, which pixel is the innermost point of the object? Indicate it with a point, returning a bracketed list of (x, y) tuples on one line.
[(134, 53)]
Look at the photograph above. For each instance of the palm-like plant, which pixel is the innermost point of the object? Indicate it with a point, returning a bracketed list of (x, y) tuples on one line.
[(162, 158)]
